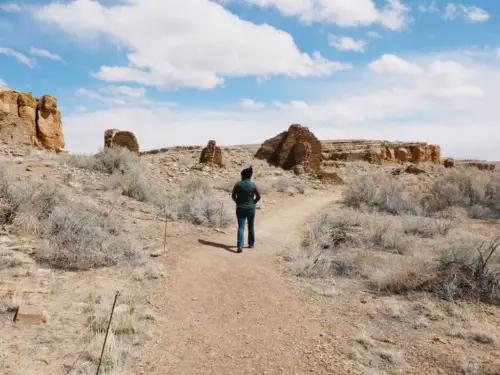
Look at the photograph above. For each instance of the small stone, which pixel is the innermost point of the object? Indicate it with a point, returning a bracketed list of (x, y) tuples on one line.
[(31, 315)]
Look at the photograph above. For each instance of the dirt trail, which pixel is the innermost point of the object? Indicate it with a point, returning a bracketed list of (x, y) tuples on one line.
[(228, 313)]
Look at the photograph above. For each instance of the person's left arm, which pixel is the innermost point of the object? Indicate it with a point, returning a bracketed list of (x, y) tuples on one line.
[(257, 194)]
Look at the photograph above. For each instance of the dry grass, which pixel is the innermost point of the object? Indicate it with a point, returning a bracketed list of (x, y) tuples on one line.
[(26, 203), (9, 260), (478, 192), (84, 237)]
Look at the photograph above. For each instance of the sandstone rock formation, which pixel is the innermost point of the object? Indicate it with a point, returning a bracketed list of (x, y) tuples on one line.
[(297, 148), (410, 169), (449, 163), (377, 151), (28, 121), (212, 154), (481, 166), (330, 178), (121, 138)]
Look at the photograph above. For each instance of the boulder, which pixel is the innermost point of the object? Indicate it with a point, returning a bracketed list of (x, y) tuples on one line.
[(449, 163), (295, 149), (410, 169), (331, 178), (212, 154), (121, 138)]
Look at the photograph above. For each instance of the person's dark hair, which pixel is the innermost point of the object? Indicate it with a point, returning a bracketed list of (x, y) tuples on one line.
[(247, 173)]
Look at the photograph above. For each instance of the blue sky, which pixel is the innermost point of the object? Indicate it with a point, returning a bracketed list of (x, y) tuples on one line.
[(239, 71)]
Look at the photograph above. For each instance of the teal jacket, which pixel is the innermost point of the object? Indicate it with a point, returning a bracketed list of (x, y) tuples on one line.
[(246, 194)]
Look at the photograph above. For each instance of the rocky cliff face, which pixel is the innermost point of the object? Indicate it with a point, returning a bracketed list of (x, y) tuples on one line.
[(297, 149), (378, 151), (28, 121)]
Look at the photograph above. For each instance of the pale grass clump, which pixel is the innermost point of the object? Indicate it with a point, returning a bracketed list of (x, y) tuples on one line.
[(26, 203), (478, 192), (8, 260), (84, 237), (114, 358), (126, 173), (380, 192), (199, 205)]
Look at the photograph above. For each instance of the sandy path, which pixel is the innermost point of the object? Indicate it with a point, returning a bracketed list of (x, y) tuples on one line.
[(228, 313)]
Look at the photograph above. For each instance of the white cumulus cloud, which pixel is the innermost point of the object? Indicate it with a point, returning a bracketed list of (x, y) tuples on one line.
[(395, 65), (190, 43), (23, 59), (471, 14), (248, 103), (347, 43), (394, 15)]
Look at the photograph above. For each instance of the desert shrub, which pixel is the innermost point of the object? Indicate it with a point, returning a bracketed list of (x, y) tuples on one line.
[(332, 232), (25, 203), (198, 204), (136, 184), (127, 173), (203, 209), (109, 161), (84, 237), (9, 260), (405, 276), (379, 192), (383, 232), (196, 186), (478, 192), (469, 268)]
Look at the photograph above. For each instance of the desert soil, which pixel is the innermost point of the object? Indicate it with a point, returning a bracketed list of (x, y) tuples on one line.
[(230, 313)]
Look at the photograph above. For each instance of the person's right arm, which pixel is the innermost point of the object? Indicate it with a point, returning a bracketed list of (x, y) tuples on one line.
[(234, 194)]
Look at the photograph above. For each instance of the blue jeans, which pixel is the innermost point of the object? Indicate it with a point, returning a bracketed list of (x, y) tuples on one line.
[(244, 214)]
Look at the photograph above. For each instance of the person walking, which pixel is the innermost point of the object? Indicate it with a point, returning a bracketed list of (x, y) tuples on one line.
[(246, 195)]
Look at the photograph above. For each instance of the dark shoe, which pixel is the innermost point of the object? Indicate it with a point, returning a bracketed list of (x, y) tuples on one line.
[(239, 250), (251, 247)]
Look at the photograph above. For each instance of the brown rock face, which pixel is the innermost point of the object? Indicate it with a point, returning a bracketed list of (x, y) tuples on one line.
[(376, 152), (330, 178), (121, 138), (296, 149), (26, 120), (49, 130), (481, 166), (212, 154), (449, 163)]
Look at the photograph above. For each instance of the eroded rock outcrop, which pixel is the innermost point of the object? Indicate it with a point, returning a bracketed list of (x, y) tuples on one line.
[(121, 138), (376, 152), (449, 163), (481, 166), (28, 121), (295, 149), (212, 154)]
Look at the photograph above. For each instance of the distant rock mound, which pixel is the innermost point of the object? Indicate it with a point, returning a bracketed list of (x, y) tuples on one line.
[(295, 149), (121, 138), (481, 166), (212, 154), (449, 163), (28, 121), (376, 152)]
